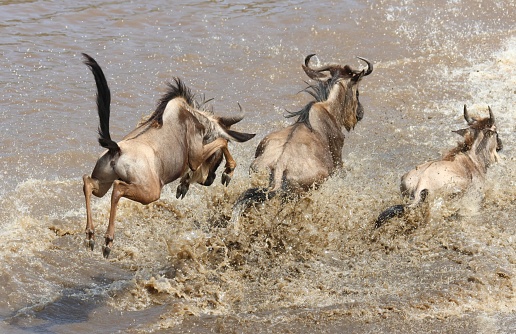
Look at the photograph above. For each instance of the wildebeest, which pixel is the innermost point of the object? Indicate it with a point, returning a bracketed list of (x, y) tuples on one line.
[(461, 167), (176, 139), (305, 153)]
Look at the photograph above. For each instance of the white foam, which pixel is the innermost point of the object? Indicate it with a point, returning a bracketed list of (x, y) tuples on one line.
[(493, 83)]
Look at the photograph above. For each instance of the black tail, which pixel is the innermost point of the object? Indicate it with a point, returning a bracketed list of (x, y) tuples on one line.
[(391, 212), (398, 210), (249, 197), (103, 105)]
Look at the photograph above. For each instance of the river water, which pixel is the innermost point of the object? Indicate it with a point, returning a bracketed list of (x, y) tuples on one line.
[(313, 265)]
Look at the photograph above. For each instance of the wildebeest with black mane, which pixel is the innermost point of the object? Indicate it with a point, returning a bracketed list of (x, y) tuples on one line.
[(174, 142), (307, 152), (460, 168)]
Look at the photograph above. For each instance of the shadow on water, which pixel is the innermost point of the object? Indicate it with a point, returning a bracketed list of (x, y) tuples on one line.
[(72, 306)]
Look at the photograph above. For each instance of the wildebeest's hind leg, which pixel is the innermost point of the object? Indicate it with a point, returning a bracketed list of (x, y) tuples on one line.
[(144, 194), (245, 200), (92, 186)]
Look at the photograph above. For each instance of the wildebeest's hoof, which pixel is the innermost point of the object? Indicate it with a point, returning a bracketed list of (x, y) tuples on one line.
[(105, 251), (90, 244), (181, 191), (225, 179)]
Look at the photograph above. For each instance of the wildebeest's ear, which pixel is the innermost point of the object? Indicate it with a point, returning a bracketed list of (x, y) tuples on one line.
[(240, 136), (357, 76), (462, 132)]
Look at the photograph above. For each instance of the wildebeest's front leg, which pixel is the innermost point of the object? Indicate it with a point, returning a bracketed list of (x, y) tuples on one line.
[(229, 167), (204, 175), (142, 193), (200, 154), (184, 185), (203, 161)]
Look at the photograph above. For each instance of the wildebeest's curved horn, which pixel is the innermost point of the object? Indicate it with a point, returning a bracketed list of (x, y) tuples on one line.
[(317, 69), (228, 121), (235, 135), (307, 59), (315, 73), (369, 66), (491, 116), (240, 136), (467, 117)]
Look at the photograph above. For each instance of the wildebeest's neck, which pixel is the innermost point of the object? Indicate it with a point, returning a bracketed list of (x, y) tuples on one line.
[(342, 105), (174, 90), (208, 121), (483, 155), (478, 161), (177, 91), (337, 97)]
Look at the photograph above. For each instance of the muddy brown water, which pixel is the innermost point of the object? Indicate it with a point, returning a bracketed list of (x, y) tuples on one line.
[(313, 265)]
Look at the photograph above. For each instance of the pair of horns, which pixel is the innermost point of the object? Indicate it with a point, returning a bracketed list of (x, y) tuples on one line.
[(471, 120), (316, 72)]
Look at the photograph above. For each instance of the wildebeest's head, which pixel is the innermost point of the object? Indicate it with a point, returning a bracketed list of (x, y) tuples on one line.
[(348, 78), (481, 136)]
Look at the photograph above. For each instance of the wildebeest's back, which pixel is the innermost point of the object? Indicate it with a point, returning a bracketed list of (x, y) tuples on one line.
[(438, 176), (294, 155), (180, 135)]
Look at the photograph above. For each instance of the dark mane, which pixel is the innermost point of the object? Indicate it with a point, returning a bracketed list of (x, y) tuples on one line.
[(201, 103), (175, 90), (303, 114), (461, 147), (320, 92)]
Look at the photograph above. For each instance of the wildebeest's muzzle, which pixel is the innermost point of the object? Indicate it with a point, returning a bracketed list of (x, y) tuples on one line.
[(499, 145)]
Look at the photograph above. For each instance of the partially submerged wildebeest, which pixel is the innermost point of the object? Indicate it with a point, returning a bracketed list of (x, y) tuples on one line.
[(461, 167), (305, 153), (175, 141)]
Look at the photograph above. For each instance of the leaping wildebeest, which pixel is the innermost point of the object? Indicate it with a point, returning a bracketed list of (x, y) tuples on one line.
[(307, 152), (174, 142), (461, 167)]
